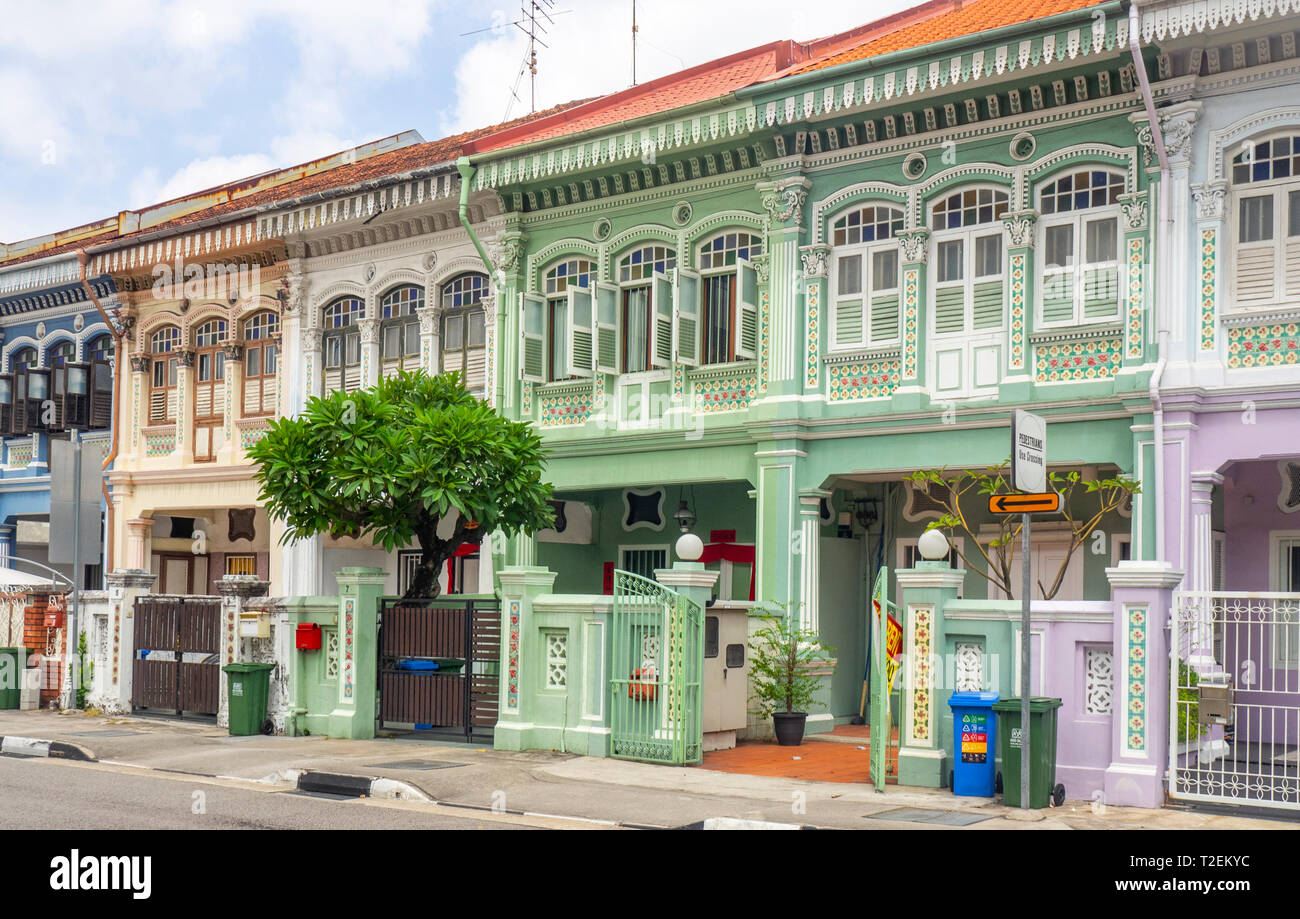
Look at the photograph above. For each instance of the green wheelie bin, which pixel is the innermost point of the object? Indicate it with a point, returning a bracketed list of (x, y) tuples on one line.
[(1042, 751), (249, 686), (12, 663)]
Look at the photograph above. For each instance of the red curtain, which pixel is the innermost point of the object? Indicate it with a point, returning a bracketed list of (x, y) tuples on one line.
[(730, 552)]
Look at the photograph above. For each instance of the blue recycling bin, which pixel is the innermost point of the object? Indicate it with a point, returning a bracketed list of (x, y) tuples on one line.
[(974, 732)]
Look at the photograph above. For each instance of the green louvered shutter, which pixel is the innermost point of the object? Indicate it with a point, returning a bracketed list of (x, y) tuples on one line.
[(988, 305), (1100, 293), (607, 329), (848, 321), (532, 338), (949, 309), (1058, 295), (884, 317), (685, 295), (580, 332), (661, 324)]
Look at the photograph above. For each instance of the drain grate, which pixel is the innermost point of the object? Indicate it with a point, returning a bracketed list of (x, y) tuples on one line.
[(935, 818), (415, 764)]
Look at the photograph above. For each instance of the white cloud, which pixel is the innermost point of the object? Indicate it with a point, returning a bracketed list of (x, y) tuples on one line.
[(590, 49)]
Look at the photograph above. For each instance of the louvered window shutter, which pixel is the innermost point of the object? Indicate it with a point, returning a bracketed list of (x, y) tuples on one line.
[(607, 329), (849, 326), (685, 293), (532, 338), (746, 311), (580, 332)]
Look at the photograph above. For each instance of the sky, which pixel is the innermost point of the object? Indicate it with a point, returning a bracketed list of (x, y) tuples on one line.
[(109, 105)]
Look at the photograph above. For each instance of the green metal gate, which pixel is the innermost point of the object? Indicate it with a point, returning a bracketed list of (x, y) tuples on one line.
[(657, 659)]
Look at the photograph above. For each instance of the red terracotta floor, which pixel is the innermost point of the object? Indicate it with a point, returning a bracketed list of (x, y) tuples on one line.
[(813, 760)]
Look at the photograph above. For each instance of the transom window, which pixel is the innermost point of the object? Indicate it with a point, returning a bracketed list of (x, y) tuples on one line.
[(62, 354), (866, 225), (725, 250), (864, 277), (399, 332), (1081, 191), (644, 263), (969, 208), (344, 312), (100, 348), (574, 272), (23, 358), (1079, 248), (1265, 208), (464, 332)]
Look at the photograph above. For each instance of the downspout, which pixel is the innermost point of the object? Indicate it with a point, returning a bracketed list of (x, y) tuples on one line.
[(1162, 244), (82, 260), (467, 171)]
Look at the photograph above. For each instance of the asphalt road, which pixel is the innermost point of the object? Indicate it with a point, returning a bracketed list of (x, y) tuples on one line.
[(48, 794)]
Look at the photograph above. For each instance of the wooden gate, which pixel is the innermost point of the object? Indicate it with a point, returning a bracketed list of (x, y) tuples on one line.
[(177, 666), (439, 665)]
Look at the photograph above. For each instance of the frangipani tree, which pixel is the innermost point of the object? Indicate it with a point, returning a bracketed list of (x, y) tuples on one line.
[(395, 461)]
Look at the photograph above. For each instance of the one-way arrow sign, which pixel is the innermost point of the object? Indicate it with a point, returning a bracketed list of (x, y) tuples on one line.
[(1046, 503)]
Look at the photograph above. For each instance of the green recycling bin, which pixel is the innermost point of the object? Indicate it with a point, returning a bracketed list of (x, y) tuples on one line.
[(12, 662), (248, 686), (1042, 751)]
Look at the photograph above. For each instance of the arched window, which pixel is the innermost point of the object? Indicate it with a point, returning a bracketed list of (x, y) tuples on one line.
[(61, 354), (557, 327), (164, 353), (463, 342), (1079, 246), (864, 277), (209, 388), (261, 360), (22, 359), (399, 329), (968, 292), (1265, 215), (635, 323), (342, 343), (728, 298)]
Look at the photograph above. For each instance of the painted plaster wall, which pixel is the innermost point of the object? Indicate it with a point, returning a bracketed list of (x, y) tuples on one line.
[(1246, 558), (843, 601)]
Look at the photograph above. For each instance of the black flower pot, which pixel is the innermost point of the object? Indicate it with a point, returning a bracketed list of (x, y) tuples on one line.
[(789, 727)]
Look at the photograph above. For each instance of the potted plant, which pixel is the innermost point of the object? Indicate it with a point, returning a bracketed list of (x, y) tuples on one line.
[(784, 664)]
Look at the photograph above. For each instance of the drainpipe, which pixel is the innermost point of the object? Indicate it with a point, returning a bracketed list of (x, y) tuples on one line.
[(1162, 242), (467, 171), (82, 260)]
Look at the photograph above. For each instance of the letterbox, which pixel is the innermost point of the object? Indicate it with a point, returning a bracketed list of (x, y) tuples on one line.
[(308, 636), (1214, 699)]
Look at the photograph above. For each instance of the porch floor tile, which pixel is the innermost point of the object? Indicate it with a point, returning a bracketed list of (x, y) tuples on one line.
[(843, 761)]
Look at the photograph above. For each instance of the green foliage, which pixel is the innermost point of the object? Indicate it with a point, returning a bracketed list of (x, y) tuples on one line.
[(391, 461), (782, 659), (1092, 499), (1189, 709), (82, 688)]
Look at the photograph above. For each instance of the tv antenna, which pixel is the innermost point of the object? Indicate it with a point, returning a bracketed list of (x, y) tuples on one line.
[(634, 42), (534, 16)]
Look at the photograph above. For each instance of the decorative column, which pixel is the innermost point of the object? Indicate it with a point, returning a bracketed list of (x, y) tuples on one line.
[(139, 533), (183, 451), (1136, 281), (1211, 238), (779, 541), (140, 368), (429, 342), (124, 585), (235, 590), (911, 394), (925, 721), (788, 344), (234, 356), (354, 713), (816, 262), (1200, 572), (509, 280), (810, 523), (370, 362), (1142, 594), (520, 586), (303, 560), (1017, 365)]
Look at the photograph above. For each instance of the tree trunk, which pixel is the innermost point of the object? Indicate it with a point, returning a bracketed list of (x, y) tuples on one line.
[(434, 553)]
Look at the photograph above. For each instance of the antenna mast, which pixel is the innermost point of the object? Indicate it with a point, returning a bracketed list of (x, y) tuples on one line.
[(530, 14), (634, 42)]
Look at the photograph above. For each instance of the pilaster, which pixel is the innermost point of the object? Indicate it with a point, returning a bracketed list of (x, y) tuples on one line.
[(359, 592), (925, 721), (911, 394), (1017, 367), (520, 586), (788, 344), (124, 585)]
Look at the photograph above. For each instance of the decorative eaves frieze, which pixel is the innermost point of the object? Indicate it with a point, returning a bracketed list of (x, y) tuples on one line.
[(1192, 16)]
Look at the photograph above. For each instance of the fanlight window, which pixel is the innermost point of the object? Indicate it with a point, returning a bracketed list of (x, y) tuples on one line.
[(867, 225), (163, 347), (969, 208)]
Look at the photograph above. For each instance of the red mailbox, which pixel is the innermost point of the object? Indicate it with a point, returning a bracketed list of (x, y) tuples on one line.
[(308, 636)]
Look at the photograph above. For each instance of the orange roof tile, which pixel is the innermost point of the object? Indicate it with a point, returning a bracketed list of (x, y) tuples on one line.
[(968, 18), (395, 162)]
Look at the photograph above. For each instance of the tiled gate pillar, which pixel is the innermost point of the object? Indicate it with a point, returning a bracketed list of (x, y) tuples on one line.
[(1142, 593), (922, 753), (235, 590), (359, 593), (519, 587), (124, 585)]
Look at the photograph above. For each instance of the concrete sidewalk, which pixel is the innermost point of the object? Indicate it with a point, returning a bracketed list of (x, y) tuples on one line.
[(572, 786)]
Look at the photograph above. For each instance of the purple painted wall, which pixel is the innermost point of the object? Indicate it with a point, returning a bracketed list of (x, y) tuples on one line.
[(1248, 524), (1083, 740)]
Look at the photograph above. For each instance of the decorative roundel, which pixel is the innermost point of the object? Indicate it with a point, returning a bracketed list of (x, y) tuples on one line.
[(40, 330), (682, 214), (430, 260), (914, 166), (602, 229), (1023, 146), (78, 322), (370, 273)]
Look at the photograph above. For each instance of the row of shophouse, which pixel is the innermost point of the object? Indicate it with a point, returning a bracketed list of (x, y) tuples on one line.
[(770, 286)]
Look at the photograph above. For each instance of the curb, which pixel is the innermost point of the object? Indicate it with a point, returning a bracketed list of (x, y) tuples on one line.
[(359, 786), (734, 823), (37, 747)]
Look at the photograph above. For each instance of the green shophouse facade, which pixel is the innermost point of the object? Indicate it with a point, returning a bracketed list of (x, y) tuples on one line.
[(776, 305)]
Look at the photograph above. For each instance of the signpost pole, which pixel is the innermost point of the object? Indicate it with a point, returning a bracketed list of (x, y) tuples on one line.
[(1026, 640), (70, 641)]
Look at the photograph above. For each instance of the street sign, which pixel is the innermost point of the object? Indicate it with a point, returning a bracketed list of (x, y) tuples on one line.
[(1028, 453), (1045, 503)]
